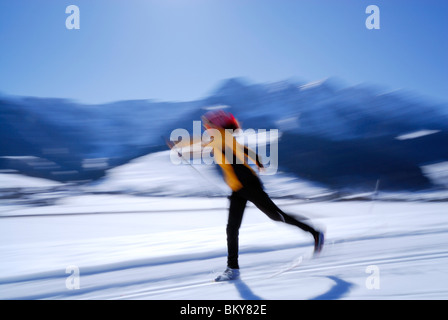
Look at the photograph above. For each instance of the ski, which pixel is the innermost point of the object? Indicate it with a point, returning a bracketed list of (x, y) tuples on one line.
[(290, 266)]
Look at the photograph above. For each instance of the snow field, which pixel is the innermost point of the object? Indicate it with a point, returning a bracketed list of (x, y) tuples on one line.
[(171, 248)]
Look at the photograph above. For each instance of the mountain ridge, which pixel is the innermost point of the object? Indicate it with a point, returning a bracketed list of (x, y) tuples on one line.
[(68, 133)]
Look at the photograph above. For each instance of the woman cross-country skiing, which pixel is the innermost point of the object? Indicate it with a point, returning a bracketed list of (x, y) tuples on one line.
[(245, 185)]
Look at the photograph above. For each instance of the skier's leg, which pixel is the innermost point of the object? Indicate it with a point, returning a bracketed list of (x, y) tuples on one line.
[(236, 210), (263, 202)]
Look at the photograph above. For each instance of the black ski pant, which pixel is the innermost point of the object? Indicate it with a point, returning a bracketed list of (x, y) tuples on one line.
[(262, 201)]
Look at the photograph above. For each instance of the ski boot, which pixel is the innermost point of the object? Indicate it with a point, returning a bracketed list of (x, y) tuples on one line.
[(319, 240), (228, 274)]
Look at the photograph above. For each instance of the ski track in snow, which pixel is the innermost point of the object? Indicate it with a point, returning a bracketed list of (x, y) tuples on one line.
[(164, 249)]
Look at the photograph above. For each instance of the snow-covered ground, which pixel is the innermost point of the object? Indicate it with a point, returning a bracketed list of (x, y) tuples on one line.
[(110, 240), (127, 247)]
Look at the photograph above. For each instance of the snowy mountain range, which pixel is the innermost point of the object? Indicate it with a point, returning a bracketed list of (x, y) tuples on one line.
[(336, 135)]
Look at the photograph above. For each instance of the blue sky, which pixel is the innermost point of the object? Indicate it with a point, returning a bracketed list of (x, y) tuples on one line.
[(179, 50)]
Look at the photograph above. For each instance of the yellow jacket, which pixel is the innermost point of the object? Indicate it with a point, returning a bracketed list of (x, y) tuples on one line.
[(232, 157)]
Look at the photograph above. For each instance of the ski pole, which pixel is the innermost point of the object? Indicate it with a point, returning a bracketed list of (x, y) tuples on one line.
[(171, 145)]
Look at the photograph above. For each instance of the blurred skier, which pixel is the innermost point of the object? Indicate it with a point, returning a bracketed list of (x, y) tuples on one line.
[(245, 185)]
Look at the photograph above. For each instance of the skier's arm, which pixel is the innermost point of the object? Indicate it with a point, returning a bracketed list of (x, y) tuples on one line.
[(253, 156), (186, 142), (190, 147)]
